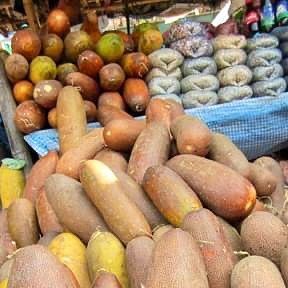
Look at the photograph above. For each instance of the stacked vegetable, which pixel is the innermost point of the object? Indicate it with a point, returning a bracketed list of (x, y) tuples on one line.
[(152, 202), (195, 71), (234, 76), (264, 59), (282, 34), (103, 67)]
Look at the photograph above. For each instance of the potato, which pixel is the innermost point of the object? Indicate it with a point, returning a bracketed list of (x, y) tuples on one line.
[(91, 111), (176, 260), (112, 159), (5, 269), (88, 87), (16, 67), (78, 215), (46, 239), (106, 253), (284, 264), (29, 117), (192, 135), (35, 265), (256, 272), (136, 194), (278, 196), (217, 252), (267, 229), (231, 235), (47, 218), (111, 98), (5, 238), (138, 257), (170, 194), (144, 154), (46, 93), (136, 94), (106, 280), (22, 223), (263, 180), (71, 161), (216, 185), (160, 230), (52, 118), (120, 135), (40, 171), (224, 151), (121, 214), (71, 118), (107, 113), (71, 252)]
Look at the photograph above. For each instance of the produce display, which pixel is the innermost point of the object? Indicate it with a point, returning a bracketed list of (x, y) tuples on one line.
[(159, 202), (264, 59), (190, 63), (142, 202)]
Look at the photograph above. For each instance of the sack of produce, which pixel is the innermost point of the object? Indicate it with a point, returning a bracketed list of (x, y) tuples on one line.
[(202, 65), (183, 29), (199, 82), (238, 75), (227, 28), (174, 97), (230, 57), (229, 42), (193, 46), (263, 40), (231, 93), (164, 85), (267, 73), (281, 33), (284, 48), (284, 64), (269, 88), (193, 99), (264, 57), (210, 29), (166, 59), (157, 72)]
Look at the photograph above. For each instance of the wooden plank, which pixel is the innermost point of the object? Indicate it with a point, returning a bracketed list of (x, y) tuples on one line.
[(119, 7), (7, 109), (31, 15)]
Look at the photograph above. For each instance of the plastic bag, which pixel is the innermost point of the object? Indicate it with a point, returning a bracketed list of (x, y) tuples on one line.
[(269, 88), (157, 72), (267, 73), (230, 57), (227, 28), (238, 75), (199, 82), (164, 85), (231, 93), (264, 57), (229, 42), (183, 29), (202, 65), (193, 46), (263, 40), (174, 97), (281, 33), (193, 99), (166, 59)]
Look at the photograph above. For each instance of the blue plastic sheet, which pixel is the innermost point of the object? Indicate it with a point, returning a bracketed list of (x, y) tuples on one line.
[(257, 126)]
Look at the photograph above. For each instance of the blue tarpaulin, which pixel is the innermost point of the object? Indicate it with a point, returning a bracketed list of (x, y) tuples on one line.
[(257, 126)]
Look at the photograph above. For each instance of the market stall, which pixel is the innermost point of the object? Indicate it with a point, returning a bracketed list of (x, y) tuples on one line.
[(155, 136)]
